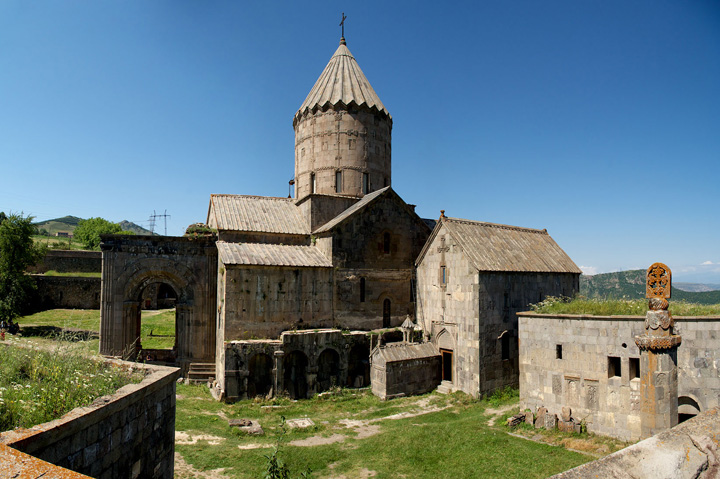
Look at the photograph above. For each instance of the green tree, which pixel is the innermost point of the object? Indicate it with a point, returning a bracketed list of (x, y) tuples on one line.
[(17, 252), (88, 231)]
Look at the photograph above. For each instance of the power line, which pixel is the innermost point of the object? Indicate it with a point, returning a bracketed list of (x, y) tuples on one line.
[(155, 216)]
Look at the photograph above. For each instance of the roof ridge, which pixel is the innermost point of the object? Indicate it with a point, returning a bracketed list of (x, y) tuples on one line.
[(497, 225), (252, 196)]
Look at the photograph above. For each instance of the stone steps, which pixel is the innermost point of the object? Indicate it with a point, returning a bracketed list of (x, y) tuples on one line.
[(445, 387), (201, 373)]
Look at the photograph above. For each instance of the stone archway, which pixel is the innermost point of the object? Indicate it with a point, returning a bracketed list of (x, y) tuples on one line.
[(687, 408), (358, 366), (295, 368), (328, 370), (188, 266)]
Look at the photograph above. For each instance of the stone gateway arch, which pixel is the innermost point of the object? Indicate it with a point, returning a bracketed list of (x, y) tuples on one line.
[(187, 265)]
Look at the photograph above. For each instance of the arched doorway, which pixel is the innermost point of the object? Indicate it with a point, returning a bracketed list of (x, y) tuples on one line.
[(328, 370), (687, 408), (358, 367), (260, 379), (295, 374), (156, 328), (386, 313), (446, 345)]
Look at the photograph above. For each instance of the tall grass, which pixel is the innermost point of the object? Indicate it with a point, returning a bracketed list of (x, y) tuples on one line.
[(617, 307), (37, 385)]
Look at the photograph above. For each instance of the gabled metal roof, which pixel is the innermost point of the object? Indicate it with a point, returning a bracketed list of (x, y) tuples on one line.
[(263, 214), (496, 247), (405, 351), (342, 81), (260, 254)]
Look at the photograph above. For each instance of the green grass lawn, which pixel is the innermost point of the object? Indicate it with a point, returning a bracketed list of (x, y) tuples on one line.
[(454, 442), (154, 324), (615, 307), (82, 275)]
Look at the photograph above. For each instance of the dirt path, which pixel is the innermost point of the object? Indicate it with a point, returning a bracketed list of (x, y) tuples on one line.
[(497, 412), (183, 470)]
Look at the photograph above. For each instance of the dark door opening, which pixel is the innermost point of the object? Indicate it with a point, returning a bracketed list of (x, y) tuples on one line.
[(447, 364)]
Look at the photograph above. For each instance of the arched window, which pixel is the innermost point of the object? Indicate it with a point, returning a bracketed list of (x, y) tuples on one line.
[(386, 313), (338, 181), (312, 183)]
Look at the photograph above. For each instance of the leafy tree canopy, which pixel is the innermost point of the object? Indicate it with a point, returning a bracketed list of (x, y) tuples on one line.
[(17, 252), (88, 231)]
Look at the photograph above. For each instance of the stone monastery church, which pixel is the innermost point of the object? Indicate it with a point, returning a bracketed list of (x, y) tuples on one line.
[(301, 294)]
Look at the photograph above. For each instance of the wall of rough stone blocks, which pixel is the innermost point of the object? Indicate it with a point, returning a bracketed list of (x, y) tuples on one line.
[(68, 292), (319, 209), (263, 301), (65, 261), (609, 405), (404, 378), (128, 434)]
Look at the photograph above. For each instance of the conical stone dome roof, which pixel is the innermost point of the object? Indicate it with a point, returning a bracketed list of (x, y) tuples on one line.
[(343, 82)]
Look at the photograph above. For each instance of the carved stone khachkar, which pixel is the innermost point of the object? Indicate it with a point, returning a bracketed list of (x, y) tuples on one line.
[(658, 356)]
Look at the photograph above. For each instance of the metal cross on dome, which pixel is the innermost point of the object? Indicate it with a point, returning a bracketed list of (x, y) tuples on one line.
[(342, 24)]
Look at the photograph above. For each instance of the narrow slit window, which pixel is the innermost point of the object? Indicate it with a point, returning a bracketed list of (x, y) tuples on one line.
[(386, 243), (338, 181), (365, 183), (558, 351), (505, 346), (312, 183), (362, 290)]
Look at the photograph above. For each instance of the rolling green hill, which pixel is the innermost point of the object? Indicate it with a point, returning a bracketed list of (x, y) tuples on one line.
[(631, 285), (69, 223)]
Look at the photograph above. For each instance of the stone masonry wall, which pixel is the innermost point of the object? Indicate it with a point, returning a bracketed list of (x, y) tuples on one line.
[(262, 302), (403, 378), (128, 434), (68, 292), (564, 361), (64, 261)]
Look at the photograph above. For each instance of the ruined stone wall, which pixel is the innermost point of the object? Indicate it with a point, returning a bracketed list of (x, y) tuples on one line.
[(64, 261), (582, 377), (352, 142), (263, 301), (124, 435), (246, 373), (67, 292)]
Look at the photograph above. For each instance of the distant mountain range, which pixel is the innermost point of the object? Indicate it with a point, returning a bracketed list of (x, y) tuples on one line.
[(631, 285), (69, 223)]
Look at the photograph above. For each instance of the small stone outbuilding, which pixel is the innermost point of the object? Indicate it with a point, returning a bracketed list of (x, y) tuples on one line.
[(402, 369)]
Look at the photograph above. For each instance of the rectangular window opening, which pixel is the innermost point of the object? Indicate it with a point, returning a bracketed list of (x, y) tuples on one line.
[(443, 275), (614, 367), (634, 368), (505, 346), (362, 290), (558, 351), (365, 183)]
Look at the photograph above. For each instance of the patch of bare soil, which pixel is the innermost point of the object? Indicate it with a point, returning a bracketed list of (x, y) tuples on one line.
[(184, 438), (318, 440), (363, 473), (183, 470), (254, 446), (497, 412)]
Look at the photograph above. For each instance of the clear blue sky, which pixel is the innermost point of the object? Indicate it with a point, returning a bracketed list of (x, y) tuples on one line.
[(598, 120)]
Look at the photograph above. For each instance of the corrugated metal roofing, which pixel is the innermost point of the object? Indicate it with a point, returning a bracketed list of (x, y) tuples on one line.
[(351, 211), (407, 351), (494, 247), (271, 255), (263, 214), (342, 81)]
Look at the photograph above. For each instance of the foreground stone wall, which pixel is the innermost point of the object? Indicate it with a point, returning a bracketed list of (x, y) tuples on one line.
[(67, 292), (565, 360), (128, 434), (687, 451), (65, 261)]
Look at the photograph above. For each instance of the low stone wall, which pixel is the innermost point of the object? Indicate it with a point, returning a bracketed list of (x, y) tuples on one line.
[(689, 450), (591, 364), (67, 292), (64, 261), (128, 434)]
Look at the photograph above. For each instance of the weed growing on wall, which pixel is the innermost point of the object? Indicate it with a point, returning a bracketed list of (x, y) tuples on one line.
[(37, 386), (617, 307)]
